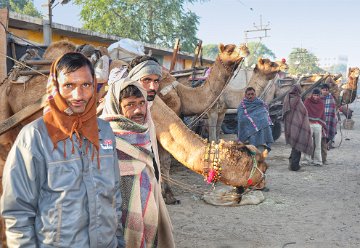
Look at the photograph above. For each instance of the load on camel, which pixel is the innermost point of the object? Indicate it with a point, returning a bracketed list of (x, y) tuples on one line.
[(228, 162)]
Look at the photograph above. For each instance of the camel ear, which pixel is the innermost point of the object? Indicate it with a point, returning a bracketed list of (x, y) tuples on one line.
[(349, 71), (265, 153), (221, 47), (261, 61)]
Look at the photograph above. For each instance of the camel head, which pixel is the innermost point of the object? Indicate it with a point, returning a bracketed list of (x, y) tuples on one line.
[(353, 72), (238, 162), (244, 50), (269, 68), (57, 49), (231, 55)]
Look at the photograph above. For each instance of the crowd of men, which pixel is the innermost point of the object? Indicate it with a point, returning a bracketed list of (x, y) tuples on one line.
[(72, 179), (310, 126)]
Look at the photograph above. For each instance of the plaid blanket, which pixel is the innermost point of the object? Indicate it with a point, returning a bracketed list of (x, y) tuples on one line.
[(254, 123), (296, 121), (144, 215), (330, 116)]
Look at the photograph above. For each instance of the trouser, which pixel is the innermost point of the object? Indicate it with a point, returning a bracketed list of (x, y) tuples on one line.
[(316, 130), (324, 150), (294, 160)]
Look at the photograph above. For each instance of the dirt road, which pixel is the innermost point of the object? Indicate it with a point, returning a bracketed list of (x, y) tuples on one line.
[(314, 207)]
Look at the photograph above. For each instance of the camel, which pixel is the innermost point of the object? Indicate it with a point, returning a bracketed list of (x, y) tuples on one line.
[(264, 71), (191, 101), (191, 150), (349, 89), (185, 100)]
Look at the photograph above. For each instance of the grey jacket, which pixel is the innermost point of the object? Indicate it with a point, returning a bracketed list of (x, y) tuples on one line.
[(54, 201)]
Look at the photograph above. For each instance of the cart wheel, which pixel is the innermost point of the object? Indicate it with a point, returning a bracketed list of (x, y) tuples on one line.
[(276, 130), (229, 125)]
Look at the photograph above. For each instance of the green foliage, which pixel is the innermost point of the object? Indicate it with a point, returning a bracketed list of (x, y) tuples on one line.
[(301, 61), (151, 21), (258, 50), (25, 7), (210, 51), (339, 68)]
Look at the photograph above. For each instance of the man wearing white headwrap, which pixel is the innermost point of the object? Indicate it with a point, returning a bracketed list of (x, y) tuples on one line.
[(147, 71)]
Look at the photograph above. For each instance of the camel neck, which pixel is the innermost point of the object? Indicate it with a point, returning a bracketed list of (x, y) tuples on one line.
[(186, 147)]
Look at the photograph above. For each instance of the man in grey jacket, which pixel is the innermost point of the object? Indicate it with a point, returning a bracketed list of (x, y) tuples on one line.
[(61, 177)]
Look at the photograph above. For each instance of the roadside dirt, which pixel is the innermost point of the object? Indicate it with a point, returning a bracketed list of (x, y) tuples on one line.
[(314, 207)]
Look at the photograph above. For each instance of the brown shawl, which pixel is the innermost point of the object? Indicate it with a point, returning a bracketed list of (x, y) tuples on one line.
[(61, 123), (297, 126)]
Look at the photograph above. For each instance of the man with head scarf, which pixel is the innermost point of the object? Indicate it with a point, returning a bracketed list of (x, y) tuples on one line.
[(297, 127), (331, 120), (316, 112), (145, 218), (254, 123), (61, 179)]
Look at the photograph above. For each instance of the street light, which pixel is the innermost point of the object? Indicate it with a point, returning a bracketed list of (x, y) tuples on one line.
[(47, 22)]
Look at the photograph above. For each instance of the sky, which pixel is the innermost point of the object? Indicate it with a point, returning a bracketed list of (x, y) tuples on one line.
[(327, 28)]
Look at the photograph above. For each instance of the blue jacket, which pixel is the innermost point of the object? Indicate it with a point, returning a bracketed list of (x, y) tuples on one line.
[(54, 201)]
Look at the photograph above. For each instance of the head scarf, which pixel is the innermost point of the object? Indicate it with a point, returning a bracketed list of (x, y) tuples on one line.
[(145, 68), (112, 98), (61, 122)]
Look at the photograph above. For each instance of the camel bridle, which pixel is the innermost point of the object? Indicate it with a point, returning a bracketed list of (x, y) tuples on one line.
[(212, 169)]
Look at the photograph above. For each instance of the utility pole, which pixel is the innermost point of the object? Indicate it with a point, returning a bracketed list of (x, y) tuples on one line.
[(261, 28), (47, 21)]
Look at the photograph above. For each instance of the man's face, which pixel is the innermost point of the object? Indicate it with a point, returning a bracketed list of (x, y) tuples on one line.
[(316, 96), (151, 84), (325, 91), (134, 108), (250, 95), (76, 88)]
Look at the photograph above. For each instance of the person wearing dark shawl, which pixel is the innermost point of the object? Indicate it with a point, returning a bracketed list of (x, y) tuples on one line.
[(297, 127), (145, 217), (316, 112), (331, 120), (254, 123), (61, 179)]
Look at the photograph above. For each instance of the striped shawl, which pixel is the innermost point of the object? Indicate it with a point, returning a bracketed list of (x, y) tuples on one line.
[(145, 218), (330, 115)]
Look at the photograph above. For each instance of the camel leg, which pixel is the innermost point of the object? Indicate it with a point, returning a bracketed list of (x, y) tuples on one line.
[(212, 122), (165, 161), (220, 119)]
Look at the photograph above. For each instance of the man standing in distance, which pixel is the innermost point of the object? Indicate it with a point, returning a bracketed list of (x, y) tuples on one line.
[(331, 121), (61, 178)]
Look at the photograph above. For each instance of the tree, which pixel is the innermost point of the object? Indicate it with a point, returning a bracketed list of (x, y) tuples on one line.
[(25, 7), (151, 21), (210, 51), (258, 50), (301, 61)]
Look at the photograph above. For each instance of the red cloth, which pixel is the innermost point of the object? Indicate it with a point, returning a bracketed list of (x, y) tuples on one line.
[(316, 111)]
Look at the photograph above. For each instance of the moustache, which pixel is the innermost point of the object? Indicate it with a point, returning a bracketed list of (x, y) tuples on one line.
[(151, 96)]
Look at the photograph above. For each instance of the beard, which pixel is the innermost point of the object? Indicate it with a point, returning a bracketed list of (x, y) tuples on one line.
[(151, 97)]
